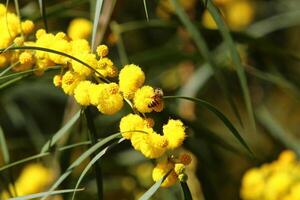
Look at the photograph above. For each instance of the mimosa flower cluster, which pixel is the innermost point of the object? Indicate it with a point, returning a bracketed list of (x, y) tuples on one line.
[(34, 178), (237, 14), (86, 76), (11, 27), (279, 180)]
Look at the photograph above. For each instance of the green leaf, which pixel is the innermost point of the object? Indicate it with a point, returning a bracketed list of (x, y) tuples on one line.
[(146, 10), (40, 155), (41, 194), (186, 191), (274, 23), (220, 115), (81, 158), (3, 146), (203, 48), (276, 129), (14, 80), (235, 58), (59, 134), (147, 195), (96, 22), (91, 163), (43, 13)]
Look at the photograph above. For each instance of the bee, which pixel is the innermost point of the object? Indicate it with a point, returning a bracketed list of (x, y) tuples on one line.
[(157, 101)]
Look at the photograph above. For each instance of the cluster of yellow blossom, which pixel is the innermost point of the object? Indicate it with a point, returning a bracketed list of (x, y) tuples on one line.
[(238, 14), (85, 76), (34, 178), (279, 180), (153, 145), (11, 27)]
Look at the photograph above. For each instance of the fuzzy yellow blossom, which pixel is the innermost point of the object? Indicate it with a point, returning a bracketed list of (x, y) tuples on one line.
[(102, 50), (79, 28), (69, 82), (272, 181), (57, 79), (253, 184), (27, 26), (174, 131), (154, 145), (110, 101), (149, 122), (80, 46), (81, 93), (87, 58), (239, 14), (95, 93), (26, 57), (144, 98), (106, 68), (34, 178), (129, 123), (19, 41), (137, 139), (179, 168), (161, 169), (131, 78)]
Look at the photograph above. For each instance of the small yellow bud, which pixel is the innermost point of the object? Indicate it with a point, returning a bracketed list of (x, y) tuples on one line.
[(102, 50), (179, 168), (27, 26), (19, 41), (57, 80)]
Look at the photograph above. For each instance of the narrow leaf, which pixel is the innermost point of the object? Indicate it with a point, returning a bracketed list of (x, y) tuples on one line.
[(96, 22), (235, 58), (91, 163), (59, 134), (186, 191), (3, 146), (220, 115), (43, 13), (146, 10), (81, 158), (203, 48), (41, 194), (147, 195)]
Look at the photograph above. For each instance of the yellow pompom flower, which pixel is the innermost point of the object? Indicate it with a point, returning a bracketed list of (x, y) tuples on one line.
[(137, 139), (277, 185), (161, 169), (253, 184), (179, 168), (2, 9), (81, 93), (34, 178), (95, 92), (106, 68), (146, 100), (19, 41), (62, 45), (102, 50), (79, 28), (27, 26), (26, 58), (80, 46), (57, 79), (69, 82), (87, 58), (130, 123), (239, 14), (154, 145), (131, 78), (174, 131), (111, 101)]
